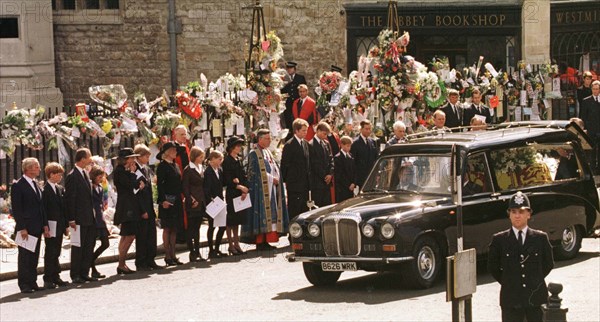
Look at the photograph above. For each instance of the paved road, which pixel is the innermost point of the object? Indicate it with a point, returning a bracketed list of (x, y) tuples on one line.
[(266, 287)]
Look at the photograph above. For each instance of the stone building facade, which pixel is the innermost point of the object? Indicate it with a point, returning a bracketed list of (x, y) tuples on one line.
[(131, 47)]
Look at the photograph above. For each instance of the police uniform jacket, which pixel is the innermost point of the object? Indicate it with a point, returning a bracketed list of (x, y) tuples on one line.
[(521, 270)]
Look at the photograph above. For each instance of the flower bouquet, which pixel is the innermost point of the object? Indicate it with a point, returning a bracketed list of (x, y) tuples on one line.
[(112, 96)]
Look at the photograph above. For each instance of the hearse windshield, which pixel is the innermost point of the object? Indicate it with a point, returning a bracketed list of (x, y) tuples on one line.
[(415, 174)]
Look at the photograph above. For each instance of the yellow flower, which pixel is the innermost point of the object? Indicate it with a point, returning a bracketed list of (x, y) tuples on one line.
[(107, 126)]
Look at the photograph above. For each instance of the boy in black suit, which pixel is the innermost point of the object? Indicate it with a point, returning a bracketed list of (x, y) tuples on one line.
[(54, 206), (321, 166), (519, 259), (31, 221), (345, 173)]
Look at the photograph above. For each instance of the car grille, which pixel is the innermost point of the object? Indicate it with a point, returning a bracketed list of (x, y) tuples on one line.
[(341, 235)]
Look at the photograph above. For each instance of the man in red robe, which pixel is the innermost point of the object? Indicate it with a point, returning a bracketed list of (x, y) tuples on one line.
[(306, 109)]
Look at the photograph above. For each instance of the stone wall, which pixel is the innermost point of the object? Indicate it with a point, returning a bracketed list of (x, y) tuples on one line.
[(133, 49)]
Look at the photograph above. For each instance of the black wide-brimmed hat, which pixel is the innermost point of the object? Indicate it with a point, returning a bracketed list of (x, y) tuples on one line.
[(291, 64), (335, 68), (520, 201), (233, 141), (126, 153), (164, 149)]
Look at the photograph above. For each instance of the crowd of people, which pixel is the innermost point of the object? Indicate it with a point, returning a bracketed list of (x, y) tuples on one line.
[(319, 166)]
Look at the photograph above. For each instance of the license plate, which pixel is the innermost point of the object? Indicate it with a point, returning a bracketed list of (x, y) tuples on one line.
[(338, 266)]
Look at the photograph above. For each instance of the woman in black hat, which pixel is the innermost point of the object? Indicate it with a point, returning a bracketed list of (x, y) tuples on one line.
[(170, 209), (236, 182), (128, 211)]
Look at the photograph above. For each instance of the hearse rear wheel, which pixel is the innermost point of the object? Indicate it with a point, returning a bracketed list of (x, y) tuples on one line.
[(569, 244), (317, 277)]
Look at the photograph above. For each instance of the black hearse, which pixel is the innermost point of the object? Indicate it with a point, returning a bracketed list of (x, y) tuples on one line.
[(405, 217)]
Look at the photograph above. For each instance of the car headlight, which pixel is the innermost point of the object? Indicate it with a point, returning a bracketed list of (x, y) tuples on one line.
[(387, 230), (368, 230), (314, 230), (295, 230)]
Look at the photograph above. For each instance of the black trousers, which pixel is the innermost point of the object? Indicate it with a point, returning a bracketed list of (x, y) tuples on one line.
[(193, 234), (104, 243), (297, 203), (210, 233), (533, 314), (27, 265), (82, 257), (145, 243), (51, 255), (322, 197)]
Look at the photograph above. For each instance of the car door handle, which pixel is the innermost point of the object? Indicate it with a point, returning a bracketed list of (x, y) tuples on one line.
[(495, 195)]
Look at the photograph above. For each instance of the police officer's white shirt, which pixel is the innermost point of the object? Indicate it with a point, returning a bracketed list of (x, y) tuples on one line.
[(524, 230)]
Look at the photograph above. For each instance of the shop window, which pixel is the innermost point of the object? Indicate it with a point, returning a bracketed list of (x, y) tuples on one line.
[(9, 27)]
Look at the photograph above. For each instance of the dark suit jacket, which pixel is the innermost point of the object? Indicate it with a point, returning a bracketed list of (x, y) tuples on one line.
[(27, 208), (365, 156), (521, 270), (213, 186), (590, 114), (321, 164), (452, 119), (345, 175), (78, 198), (193, 186), (471, 111), (145, 195), (129, 207), (54, 206), (295, 166)]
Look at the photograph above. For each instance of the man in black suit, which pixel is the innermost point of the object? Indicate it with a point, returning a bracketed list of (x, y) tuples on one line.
[(365, 152), (291, 88), (295, 168), (519, 259), (590, 114), (31, 221), (321, 166), (345, 172), (145, 239), (80, 211), (586, 88), (453, 111), (54, 206), (476, 108)]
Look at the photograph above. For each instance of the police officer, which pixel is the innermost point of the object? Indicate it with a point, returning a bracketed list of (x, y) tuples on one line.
[(519, 259)]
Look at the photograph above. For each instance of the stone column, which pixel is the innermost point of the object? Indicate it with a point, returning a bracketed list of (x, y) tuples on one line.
[(27, 74)]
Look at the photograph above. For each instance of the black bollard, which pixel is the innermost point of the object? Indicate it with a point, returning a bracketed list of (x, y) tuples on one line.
[(552, 311)]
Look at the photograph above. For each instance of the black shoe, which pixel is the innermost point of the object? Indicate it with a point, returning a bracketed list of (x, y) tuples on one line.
[(77, 280), (169, 262), (96, 274), (213, 254), (177, 262), (144, 268), (156, 266), (124, 271), (49, 285), (193, 257), (38, 288), (61, 283), (27, 291), (89, 278)]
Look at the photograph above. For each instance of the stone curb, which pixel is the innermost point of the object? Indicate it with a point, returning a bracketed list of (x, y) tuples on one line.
[(160, 250)]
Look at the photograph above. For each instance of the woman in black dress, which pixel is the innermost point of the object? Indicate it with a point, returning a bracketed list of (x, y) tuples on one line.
[(97, 176), (170, 209), (128, 211), (236, 182), (195, 206)]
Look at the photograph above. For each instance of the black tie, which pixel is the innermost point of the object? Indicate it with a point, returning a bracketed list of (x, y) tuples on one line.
[(299, 106), (37, 189), (325, 148), (87, 179), (520, 238), (305, 148)]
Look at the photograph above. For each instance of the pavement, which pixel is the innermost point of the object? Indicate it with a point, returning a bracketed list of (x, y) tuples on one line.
[(8, 256)]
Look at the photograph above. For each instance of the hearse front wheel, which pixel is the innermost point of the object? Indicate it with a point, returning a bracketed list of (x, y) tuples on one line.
[(423, 271)]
